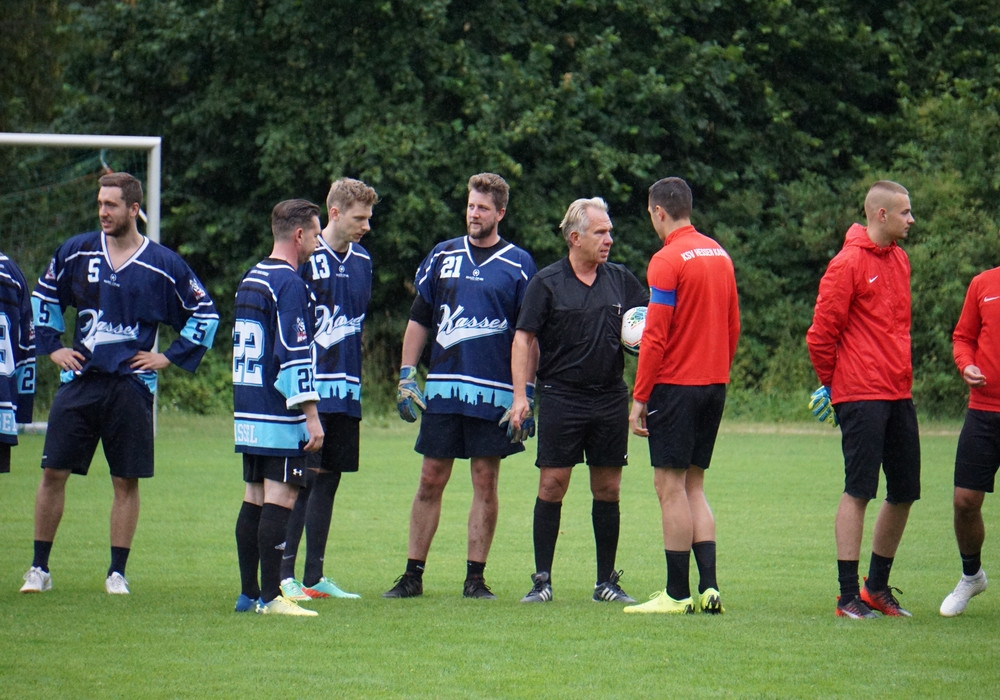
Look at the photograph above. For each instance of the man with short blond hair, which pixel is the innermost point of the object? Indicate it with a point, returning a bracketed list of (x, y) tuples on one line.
[(339, 273)]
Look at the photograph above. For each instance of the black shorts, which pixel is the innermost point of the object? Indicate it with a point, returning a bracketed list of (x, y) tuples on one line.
[(573, 426), (880, 433), (683, 422), (978, 455), (287, 470), (4, 458), (341, 442), (115, 410), (454, 436)]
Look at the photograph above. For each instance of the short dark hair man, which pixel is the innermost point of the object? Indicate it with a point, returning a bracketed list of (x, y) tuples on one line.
[(274, 400), (688, 345), (123, 286)]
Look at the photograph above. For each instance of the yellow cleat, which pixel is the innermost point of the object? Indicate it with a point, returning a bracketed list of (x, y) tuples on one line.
[(710, 602), (660, 602)]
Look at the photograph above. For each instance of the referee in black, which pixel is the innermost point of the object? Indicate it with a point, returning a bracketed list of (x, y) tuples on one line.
[(573, 309)]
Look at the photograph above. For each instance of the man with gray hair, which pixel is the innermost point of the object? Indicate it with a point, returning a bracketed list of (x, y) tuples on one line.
[(573, 310)]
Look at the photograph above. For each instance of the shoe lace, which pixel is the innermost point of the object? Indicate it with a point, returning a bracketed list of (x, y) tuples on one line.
[(889, 597)]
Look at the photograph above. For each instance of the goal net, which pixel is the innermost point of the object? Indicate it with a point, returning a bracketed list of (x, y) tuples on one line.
[(48, 192)]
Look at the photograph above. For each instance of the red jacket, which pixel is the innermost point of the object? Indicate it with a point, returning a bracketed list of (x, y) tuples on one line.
[(693, 318), (859, 341), (976, 340)]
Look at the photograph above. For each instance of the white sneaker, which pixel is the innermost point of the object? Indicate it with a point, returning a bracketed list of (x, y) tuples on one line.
[(116, 584), (36, 581), (284, 606), (968, 586)]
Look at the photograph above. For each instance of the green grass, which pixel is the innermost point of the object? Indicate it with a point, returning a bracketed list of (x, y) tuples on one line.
[(773, 490)]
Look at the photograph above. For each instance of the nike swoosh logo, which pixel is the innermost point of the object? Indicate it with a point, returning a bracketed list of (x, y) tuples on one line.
[(986, 299), (872, 279), (649, 413)]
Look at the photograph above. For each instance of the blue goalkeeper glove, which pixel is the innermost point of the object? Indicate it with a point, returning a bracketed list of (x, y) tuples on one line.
[(408, 394), (822, 409), (527, 429)]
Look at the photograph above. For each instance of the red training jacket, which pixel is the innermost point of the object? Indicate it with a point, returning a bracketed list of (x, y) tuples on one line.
[(976, 340), (859, 340)]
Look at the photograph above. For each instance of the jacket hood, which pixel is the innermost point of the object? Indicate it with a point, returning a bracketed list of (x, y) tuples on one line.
[(857, 236)]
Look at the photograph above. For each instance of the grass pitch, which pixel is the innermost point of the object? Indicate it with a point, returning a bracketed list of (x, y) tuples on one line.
[(774, 491)]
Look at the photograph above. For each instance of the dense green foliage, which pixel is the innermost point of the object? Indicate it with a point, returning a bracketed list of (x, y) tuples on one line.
[(779, 114)]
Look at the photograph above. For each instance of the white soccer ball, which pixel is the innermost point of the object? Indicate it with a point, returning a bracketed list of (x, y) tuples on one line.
[(633, 323)]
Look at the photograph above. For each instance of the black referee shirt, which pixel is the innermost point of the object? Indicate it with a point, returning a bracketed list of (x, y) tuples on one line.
[(579, 327)]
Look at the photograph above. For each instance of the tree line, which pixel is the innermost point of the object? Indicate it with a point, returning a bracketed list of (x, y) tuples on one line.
[(779, 114)]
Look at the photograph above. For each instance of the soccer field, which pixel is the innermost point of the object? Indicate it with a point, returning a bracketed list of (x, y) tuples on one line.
[(773, 490)]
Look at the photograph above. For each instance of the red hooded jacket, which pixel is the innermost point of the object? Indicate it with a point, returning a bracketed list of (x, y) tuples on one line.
[(859, 340)]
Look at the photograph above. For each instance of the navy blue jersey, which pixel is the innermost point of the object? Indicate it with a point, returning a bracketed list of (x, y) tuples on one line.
[(475, 309), (119, 311), (17, 351), (272, 360), (342, 286)]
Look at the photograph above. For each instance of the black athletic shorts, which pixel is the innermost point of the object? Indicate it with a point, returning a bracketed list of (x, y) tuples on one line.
[(113, 409), (573, 426), (287, 470), (683, 422), (978, 453), (454, 436), (4, 458), (341, 442), (880, 433)]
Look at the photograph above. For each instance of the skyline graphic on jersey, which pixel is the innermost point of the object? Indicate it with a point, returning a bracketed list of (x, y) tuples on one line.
[(99, 332), (331, 328), (454, 328), (468, 392)]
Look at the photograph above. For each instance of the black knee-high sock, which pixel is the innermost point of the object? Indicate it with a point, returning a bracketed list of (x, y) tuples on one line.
[(606, 517), (678, 570), (878, 572), (318, 514), (247, 525), (704, 557), (545, 530), (847, 575), (293, 533), (271, 543)]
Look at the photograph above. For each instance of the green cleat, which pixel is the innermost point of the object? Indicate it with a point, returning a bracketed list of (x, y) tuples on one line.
[(325, 588), (292, 589), (660, 602)]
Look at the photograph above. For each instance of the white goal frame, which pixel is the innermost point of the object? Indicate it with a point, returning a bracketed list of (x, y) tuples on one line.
[(151, 144), (153, 147)]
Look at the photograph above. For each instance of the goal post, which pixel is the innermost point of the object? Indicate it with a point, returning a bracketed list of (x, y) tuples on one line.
[(150, 144)]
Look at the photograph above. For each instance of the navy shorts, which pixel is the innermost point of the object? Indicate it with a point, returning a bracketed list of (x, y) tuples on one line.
[(454, 436), (978, 453), (4, 458), (880, 433), (341, 442), (574, 426), (287, 470), (113, 409), (683, 422)]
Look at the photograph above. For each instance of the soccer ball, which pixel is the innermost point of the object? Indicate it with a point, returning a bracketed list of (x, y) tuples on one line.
[(633, 323)]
